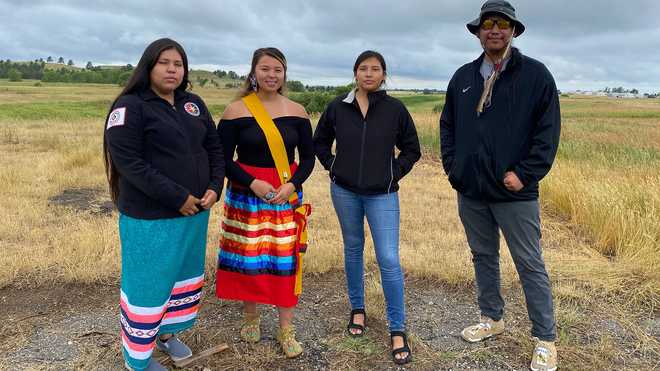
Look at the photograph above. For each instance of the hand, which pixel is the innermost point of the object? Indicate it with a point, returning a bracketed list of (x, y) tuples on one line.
[(209, 199), (189, 207), (512, 182), (283, 193), (260, 188)]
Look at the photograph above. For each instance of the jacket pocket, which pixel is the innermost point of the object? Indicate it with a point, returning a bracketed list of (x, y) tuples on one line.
[(462, 175), (201, 160), (379, 174), (340, 171), (332, 166)]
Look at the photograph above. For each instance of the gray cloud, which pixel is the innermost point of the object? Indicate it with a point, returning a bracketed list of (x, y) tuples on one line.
[(586, 44)]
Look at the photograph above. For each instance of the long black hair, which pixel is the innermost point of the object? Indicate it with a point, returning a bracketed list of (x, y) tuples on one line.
[(139, 82)]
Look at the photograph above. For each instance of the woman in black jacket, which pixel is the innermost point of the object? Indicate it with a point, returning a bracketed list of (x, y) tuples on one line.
[(367, 125), (165, 168)]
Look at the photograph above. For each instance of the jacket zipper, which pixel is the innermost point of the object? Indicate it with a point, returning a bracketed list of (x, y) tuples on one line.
[(391, 173), (364, 137), (332, 165)]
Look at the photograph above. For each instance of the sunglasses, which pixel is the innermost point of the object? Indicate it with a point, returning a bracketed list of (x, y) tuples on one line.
[(502, 24)]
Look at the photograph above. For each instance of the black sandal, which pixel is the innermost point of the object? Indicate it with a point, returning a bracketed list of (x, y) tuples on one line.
[(404, 349), (353, 325)]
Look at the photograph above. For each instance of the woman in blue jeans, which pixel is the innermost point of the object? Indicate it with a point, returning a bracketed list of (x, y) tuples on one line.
[(367, 125)]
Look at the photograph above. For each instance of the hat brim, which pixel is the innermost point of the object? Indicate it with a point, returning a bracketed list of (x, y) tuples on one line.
[(473, 26)]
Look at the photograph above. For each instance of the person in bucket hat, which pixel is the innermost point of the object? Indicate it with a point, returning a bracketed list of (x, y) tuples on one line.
[(499, 134)]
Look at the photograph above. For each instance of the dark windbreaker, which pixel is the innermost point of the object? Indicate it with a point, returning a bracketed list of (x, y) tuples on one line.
[(364, 161), (518, 131)]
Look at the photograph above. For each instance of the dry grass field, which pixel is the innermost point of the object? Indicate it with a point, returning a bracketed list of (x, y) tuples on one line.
[(601, 224)]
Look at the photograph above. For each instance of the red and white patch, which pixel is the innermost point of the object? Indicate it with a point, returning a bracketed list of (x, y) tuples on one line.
[(191, 108), (117, 117)]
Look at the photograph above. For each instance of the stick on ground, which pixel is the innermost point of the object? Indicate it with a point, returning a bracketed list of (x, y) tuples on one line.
[(200, 355)]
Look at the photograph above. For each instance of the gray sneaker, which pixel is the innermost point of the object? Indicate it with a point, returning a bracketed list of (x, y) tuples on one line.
[(175, 348), (152, 366)]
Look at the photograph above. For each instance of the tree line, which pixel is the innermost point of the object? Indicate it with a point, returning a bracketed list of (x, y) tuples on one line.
[(313, 98), (620, 89), (36, 70), (15, 71), (94, 75)]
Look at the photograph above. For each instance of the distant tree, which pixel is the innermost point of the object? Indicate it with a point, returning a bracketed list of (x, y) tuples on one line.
[(89, 65), (60, 60), (340, 90), (232, 75), (295, 86), (314, 102), (49, 59), (634, 91), (123, 78), (70, 62), (14, 75)]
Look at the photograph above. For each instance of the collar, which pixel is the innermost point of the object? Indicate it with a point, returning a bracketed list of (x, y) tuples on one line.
[(148, 94), (514, 60), (350, 97)]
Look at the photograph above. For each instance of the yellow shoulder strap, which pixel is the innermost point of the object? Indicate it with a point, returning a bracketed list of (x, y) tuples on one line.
[(273, 137), (278, 151)]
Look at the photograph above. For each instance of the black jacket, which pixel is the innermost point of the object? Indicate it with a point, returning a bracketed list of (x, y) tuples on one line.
[(365, 161), (518, 132), (163, 153)]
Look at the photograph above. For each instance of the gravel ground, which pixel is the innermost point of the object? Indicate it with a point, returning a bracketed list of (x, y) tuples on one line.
[(76, 327)]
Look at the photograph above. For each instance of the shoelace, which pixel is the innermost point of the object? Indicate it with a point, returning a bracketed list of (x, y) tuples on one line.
[(542, 355), (480, 326)]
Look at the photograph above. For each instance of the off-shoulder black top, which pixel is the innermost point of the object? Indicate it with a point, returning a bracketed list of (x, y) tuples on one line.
[(244, 137)]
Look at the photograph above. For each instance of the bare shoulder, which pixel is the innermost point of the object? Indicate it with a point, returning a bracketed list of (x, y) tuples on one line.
[(235, 110), (296, 109)]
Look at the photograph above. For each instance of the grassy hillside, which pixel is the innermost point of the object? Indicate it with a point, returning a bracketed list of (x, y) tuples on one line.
[(194, 75), (58, 66)]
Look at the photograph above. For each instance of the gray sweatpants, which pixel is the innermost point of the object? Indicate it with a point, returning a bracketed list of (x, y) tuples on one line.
[(521, 225)]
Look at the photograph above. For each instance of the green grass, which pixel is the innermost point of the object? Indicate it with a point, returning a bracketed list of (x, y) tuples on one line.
[(216, 110), (608, 154), (55, 110), (361, 345), (631, 113), (421, 102)]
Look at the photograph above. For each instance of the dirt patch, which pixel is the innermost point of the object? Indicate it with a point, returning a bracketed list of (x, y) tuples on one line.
[(76, 327), (93, 201)]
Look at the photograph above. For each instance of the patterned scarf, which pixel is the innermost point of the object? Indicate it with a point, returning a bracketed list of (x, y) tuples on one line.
[(489, 83)]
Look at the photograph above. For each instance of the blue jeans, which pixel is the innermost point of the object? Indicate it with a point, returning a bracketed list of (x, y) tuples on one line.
[(382, 213)]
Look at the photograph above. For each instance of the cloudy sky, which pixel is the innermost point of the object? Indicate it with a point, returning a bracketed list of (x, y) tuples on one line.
[(586, 44)]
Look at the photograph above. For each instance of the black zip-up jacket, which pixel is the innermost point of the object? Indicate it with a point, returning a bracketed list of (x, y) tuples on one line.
[(518, 132), (365, 161), (163, 153)]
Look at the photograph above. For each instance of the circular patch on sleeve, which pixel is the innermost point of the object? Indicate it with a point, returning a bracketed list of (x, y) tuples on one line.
[(117, 117), (191, 108)]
